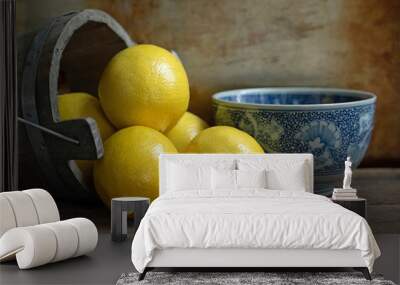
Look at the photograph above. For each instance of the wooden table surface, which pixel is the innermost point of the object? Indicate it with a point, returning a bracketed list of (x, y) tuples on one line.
[(380, 186)]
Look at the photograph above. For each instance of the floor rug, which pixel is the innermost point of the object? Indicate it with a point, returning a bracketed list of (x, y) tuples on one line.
[(269, 278)]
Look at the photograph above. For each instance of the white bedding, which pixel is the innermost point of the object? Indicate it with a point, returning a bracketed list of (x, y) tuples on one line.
[(252, 218)]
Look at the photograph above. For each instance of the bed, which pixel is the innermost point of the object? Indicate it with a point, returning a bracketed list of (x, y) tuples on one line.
[(246, 211)]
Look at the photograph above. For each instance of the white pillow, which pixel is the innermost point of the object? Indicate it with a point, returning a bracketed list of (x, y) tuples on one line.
[(181, 178), (223, 179), (251, 178), (293, 180), (285, 174)]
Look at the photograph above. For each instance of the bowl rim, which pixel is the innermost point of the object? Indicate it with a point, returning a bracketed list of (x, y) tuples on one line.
[(367, 98)]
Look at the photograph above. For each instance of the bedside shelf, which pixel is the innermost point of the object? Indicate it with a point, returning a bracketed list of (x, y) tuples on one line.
[(358, 206)]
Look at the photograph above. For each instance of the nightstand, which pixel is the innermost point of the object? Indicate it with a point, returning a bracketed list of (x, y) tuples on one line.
[(358, 206)]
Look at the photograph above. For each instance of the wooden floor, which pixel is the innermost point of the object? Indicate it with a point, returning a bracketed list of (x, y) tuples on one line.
[(104, 266)]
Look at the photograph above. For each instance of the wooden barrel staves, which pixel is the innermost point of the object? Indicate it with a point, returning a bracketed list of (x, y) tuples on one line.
[(67, 55)]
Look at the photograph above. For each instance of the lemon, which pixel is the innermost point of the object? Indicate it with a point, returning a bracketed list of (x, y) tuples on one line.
[(144, 85), (223, 139), (187, 128), (83, 105), (129, 166)]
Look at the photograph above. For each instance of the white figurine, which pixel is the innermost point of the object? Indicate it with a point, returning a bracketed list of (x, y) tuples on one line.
[(347, 174)]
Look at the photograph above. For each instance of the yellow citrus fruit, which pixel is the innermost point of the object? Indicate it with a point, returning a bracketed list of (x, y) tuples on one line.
[(83, 105), (187, 128), (144, 85), (129, 166), (224, 139)]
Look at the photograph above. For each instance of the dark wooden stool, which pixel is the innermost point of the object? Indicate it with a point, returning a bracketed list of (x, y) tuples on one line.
[(119, 215)]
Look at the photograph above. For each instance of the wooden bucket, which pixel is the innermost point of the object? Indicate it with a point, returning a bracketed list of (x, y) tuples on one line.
[(67, 55)]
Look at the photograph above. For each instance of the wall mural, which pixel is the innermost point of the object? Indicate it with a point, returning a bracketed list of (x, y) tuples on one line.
[(286, 44)]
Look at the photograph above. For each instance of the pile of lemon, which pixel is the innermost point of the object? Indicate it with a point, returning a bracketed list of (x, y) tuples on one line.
[(142, 112)]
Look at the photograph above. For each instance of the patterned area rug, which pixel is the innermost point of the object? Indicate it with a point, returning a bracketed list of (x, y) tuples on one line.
[(232, 278)]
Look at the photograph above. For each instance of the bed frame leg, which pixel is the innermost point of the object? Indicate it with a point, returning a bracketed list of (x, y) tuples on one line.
[(143, 274), (364, 271)]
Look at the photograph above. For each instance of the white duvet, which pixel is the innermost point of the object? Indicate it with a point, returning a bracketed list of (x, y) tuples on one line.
[(250, 219)]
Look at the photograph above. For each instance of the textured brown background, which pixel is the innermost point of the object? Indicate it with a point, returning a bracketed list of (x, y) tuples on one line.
[(246, 43)]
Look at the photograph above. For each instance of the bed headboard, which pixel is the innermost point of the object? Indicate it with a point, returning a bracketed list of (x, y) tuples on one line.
[(165, 158)]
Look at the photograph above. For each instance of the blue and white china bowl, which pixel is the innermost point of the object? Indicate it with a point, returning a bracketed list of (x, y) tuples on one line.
[(329, 123)]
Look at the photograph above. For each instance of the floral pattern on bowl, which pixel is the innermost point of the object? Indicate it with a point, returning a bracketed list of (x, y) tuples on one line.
[(329, 123)]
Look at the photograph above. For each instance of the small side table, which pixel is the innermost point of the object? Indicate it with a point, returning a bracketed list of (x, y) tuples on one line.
[(119, 215), (358, 206)]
